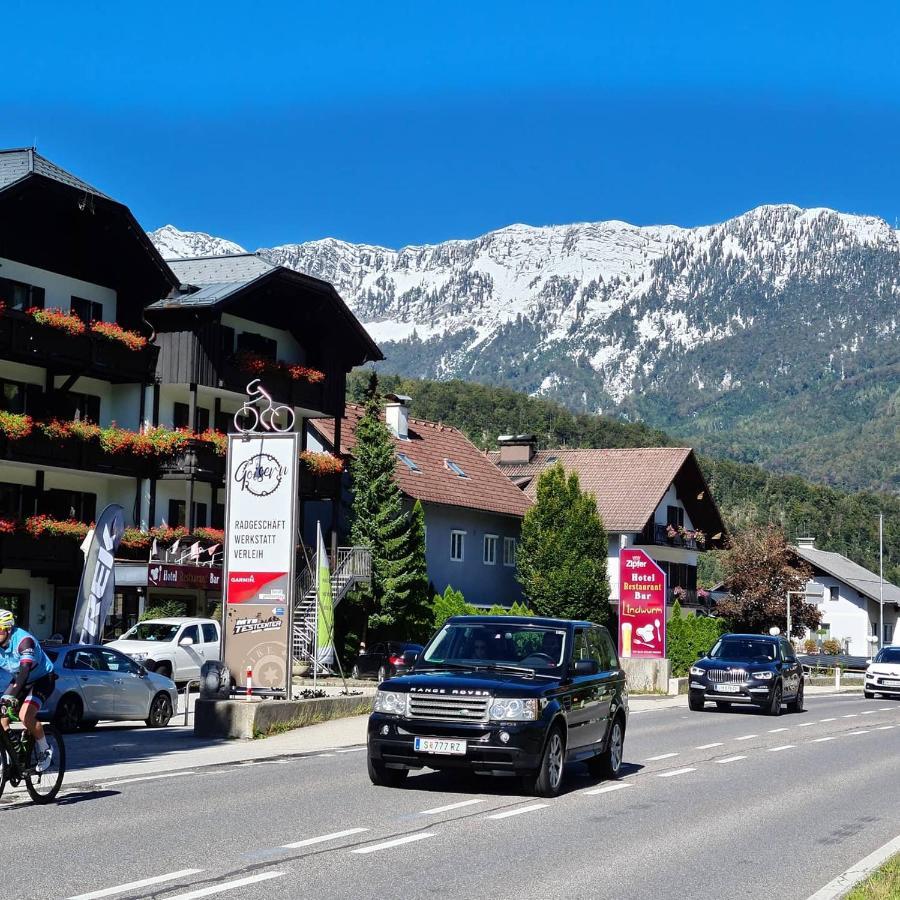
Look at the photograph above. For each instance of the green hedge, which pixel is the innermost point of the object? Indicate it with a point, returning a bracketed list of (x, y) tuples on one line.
[(690, 637)]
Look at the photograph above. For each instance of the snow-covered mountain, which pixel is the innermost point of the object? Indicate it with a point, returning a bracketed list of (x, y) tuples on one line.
[(173, 243), (690, 328)]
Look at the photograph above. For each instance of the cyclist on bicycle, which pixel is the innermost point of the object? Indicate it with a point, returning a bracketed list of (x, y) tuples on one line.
[(22, 657)]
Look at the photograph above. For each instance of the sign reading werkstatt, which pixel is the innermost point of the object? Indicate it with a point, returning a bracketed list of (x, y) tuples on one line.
[(642, 606), (260, 550)]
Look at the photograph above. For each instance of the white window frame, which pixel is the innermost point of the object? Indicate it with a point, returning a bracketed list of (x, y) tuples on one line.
[(462, 546), (490, 540), (509, 558)]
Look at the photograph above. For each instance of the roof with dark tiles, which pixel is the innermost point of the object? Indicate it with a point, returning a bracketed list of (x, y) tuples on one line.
[(429, 447), (19, 163)]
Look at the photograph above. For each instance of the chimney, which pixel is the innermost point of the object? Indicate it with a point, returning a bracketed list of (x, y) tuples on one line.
[(806, 543), (516, 449), (396, 414)]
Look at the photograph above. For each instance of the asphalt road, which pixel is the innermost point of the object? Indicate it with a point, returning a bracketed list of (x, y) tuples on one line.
[(730, 805)]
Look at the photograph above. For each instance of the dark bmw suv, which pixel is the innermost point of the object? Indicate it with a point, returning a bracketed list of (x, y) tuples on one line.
[(750, 669), (504, 695)]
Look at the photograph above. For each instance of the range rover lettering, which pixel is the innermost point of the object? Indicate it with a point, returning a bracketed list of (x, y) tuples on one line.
[(504, 695)]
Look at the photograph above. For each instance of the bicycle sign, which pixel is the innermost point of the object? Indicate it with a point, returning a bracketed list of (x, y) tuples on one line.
[(260, 412)]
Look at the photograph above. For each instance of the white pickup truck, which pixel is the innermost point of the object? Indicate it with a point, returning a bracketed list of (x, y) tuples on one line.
[(176, 647)]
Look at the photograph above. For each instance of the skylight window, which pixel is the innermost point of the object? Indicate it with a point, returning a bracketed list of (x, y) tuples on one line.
[(408, 462), (454, 468)]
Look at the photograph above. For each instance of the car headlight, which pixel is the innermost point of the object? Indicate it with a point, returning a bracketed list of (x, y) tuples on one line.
[(762, 676), (512, 710), (696, 670), (391, 702), (139, 657)]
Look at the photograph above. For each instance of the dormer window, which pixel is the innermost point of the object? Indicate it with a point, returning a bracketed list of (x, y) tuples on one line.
[(410, 464), (454, 468)]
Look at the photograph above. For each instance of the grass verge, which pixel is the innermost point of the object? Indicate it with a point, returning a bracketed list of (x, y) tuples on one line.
[(882, 884)]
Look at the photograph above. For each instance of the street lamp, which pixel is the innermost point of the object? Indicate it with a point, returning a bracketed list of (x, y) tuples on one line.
[(812, 591)]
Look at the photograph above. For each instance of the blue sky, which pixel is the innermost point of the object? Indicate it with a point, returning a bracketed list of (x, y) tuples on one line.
[(400, 123)]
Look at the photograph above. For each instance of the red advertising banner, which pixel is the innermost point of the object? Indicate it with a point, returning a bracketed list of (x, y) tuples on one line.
[(642, 606)]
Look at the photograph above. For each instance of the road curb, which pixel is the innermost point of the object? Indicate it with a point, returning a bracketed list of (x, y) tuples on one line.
[(848, 879)]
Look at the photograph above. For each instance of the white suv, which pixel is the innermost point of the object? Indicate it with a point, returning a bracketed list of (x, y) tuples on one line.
[(176, 647), (883, 673)]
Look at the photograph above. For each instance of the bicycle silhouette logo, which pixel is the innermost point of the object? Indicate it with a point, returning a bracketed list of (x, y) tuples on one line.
[(261, 412)]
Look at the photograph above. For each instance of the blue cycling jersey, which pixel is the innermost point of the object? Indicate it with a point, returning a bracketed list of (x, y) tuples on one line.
[(13, 653)]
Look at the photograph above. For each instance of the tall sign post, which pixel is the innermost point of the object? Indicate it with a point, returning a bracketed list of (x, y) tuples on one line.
[(260, 548), (642, 606)]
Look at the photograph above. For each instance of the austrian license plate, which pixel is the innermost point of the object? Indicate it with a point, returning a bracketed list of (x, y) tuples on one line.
[(891, 682), (728, 688), (439, 745)]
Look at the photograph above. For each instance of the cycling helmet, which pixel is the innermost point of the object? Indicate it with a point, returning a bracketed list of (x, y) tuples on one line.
[(7, 619)]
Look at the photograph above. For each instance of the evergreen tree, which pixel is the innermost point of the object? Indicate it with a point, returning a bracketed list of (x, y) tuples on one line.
[(396, 600), (450, 603), (562, 553)]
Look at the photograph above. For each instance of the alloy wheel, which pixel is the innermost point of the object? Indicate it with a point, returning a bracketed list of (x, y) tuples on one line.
[(555, 760), (615, 748)]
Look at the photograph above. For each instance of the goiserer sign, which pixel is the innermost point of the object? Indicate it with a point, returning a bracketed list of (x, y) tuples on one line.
[(642, 606)]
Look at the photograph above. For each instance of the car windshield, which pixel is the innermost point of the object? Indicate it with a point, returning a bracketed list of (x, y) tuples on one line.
[(501, 646), (744, 650), (889, 655), (151, 631)]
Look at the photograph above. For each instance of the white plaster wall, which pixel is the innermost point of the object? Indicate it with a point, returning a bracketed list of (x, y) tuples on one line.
[(288, 348), (59, 289), (40, 606), (19, 372), (847, 616), (671, 499), (12, 473), (177, 490)]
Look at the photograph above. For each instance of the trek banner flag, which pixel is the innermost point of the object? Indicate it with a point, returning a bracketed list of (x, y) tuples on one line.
[(97, 587), (642, 606), (325, 609)]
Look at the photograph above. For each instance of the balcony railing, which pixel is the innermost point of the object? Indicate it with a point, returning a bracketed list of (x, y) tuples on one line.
[(313, 486), (197, 460), (22, 339), (283, 389), (40, 450), (659, 536), (44, 555)]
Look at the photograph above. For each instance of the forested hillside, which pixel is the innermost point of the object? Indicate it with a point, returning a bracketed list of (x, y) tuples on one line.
[(840, 521)]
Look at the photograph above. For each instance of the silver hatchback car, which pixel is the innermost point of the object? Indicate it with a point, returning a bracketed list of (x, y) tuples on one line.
[(95, 682)]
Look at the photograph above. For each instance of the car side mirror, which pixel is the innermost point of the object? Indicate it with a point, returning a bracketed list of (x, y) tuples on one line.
[(186, 642), (585, 667), (409, 658), (142, 672)]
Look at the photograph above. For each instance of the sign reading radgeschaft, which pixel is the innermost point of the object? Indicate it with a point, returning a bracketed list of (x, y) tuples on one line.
[(642, 606), (260, 548)]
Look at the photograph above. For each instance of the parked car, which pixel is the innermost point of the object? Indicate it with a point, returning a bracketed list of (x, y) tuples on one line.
[(883, 674), (751, 669), (384, 660), (175, 647), (504, 695), (95, 683)]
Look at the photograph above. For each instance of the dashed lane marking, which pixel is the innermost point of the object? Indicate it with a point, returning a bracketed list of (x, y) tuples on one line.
[(776, 730), (674, 773), (320, 755), (869, 712), (134, 885), (351, 750), (861, 731), (106, 784), (783, 747), (730, 759), (805, 724), (884, 727), (448, 807), (386, 845), (661, 756), (849, 716), (709, 746), (518, 812), (832, 719), (226, 886), (746, 737), (822, 740), (607, 788), (308, 842), (885, 708)]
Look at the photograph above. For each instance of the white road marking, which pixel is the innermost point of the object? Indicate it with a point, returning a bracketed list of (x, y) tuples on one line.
[(134, 885), (884, 727), (674, 773), (106, 784), (885, 708), (746, 737), (517, 812), (449, 806), (849, 716), (869, 712), (847, 879), (226, 886), (832, 719), (822, 740), (319, 755), (308, 842), (729, 759), (386, 845), (606, 789), (661, 756), (806, 724), (861, 731), (351, 750), (784, 747), (708, 746), (776, 730)]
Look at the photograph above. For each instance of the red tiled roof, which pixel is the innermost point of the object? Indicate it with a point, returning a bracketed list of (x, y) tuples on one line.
[(429, 445), (628, 483)]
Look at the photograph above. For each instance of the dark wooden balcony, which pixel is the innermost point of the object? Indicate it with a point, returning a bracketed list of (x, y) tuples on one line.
[(657, 534), (71, 453), (197, 460), (301, 393), (318, 487), (24, 340), (44, 556)]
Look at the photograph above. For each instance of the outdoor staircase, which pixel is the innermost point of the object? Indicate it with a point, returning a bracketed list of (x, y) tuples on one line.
[(353, 566)]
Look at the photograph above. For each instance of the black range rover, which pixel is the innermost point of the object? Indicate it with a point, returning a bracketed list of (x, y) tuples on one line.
[(504, 695), (751, 669)]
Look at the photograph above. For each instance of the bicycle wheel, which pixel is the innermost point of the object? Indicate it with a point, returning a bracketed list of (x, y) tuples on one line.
[(246, 418), (44, 786), (4, 768), (282, 418)]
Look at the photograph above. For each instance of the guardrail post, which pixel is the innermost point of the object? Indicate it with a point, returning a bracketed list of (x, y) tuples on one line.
[(837, 678)]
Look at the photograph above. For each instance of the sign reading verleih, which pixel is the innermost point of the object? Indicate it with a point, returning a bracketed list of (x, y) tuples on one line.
[(260, 550), (642, 606)]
